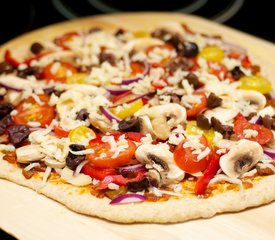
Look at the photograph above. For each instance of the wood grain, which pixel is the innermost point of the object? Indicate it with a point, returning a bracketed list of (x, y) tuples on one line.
[(28, 215)]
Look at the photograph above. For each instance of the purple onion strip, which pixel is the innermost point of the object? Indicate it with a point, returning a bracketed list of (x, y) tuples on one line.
[(128, 198), (109, 114)]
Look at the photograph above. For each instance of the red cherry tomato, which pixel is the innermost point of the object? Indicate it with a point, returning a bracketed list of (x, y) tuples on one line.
[(61, 73), (197, 108), (97, 172), (187, 160), (264, 134), (60, 132), (108, 161), (160, 83), (64, 39), (246, 62), (217, 69), (34, 112), (136, 68)]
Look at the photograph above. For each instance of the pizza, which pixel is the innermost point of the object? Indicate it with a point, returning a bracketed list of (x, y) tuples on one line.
[(136, 126)]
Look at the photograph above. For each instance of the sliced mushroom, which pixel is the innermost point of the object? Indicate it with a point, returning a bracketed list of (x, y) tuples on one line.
[(29, 153), (13, 97), (100, 122), (172, 27), (159, 155), (50, 162), (78, 180), (165, 117), (154, 178), (145, 125), (241, 158), (68, 56), (224, 115), (255, 98), (141, 44)]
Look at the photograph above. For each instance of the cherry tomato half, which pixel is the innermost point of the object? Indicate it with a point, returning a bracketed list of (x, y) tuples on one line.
[(97, 172), (187, 161), (107, 161), (60, 132), (34, 112), (197, 108), (264, 134), (61, 73), (217, 69)]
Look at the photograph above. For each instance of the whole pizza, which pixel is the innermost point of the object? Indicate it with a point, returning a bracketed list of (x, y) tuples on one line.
[(136, 126)]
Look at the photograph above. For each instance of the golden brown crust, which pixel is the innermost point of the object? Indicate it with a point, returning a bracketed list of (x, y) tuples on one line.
[(173, 210)]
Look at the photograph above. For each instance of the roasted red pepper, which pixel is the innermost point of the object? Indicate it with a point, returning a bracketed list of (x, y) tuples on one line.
[(209, 173), (9, 58), (120, 180)]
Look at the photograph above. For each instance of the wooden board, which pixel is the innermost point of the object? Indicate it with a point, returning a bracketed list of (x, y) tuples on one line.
[(28, 215)]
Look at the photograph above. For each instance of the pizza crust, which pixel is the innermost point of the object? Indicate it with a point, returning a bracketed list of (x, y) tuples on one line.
[(156, 212)]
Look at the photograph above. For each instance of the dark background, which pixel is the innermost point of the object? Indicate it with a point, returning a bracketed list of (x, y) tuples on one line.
[(20, 16)]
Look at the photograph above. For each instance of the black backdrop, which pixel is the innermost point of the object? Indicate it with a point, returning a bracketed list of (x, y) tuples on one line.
[(19, 16)]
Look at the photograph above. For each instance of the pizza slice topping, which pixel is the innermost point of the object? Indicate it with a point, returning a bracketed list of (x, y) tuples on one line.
[(138, 115)]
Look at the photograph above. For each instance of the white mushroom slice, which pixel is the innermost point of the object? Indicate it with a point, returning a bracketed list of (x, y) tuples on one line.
[(145, 125), (29, 153), (100, 122), (255, 98), (78, 180), (241, 158), (154, 177), (269, 110), (160, 155), (68, 56), (172, 27), (225, 115), (67, 101), (165, 117), (54, 163), (13, 97), (141, 44), (85, 89)]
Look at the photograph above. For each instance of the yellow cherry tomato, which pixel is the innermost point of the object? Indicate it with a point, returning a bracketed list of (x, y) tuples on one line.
[(77, 78), (256, 83), (81, 134), (212, 53), (141, 34), (127, 110), (193, 129)]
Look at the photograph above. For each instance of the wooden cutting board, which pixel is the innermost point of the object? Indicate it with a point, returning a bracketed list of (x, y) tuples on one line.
[(28, 215)]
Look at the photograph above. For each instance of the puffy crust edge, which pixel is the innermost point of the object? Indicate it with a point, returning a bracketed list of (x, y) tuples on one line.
[(155, 212)]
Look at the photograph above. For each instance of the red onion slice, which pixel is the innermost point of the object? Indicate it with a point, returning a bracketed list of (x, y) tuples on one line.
[(146, 95), (116, 91), (270, 152), (109, 114), (136, 79), (128, 198), (131, 168)]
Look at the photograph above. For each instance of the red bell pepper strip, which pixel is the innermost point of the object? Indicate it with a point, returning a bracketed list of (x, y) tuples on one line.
[(209, 173), (36, 57), (10, 59), (246, 62), (120, 180)]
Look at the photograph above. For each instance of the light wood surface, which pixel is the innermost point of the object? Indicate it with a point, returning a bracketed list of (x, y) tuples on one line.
[(28, 215)]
